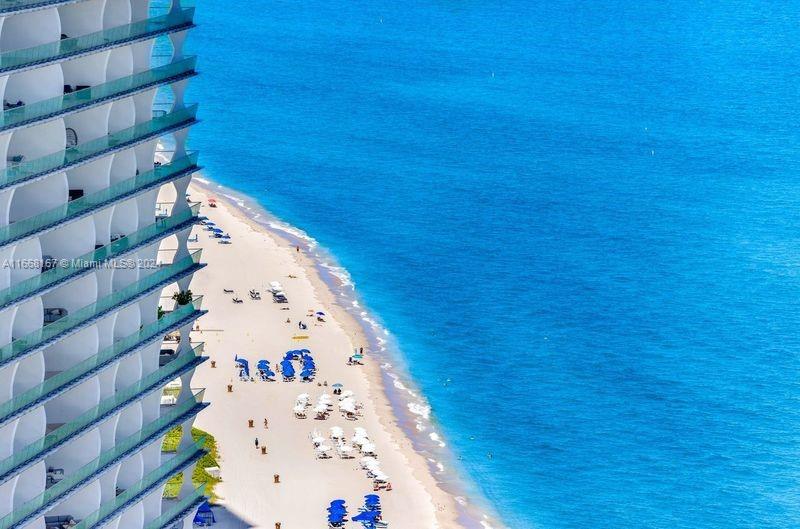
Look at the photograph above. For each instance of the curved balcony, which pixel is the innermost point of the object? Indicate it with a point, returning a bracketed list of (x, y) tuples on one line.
[(37, 450), (123, 449), (41, 283), (178, 509), (88, 204), (71, 323), (80, 154), (64, 381), (51, 52), (97, 95), (145, 486)]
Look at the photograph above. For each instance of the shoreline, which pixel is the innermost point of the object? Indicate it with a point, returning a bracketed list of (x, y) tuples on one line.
[(400, 408)]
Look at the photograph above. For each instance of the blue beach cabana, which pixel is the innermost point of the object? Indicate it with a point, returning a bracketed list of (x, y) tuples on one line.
[(204, 515), (244, 366), (264, 369), (287, 369), (372, 501), (337, 514), (367, 517)]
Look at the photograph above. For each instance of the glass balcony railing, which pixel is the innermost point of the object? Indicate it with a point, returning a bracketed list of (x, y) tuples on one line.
[(160, 229), (36, 450), (109, 38), (63, 381), (87, 204), (149, 483), (128, 446), (85, 152), (178, 509), (50, 108), (85, 316)]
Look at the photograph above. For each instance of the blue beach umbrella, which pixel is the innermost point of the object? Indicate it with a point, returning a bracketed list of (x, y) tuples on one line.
[(366, 516), (287, 368), (371, 500)]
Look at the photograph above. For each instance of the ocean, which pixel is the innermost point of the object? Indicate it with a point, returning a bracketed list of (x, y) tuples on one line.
[(579, 223)]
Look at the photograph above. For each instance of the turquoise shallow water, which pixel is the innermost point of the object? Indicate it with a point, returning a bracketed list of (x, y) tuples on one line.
[(578, 220)]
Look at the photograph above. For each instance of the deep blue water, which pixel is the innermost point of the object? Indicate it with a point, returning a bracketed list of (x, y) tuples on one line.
[(584, 215)]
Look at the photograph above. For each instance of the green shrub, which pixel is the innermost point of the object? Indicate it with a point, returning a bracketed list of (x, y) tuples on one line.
[(200, 475)]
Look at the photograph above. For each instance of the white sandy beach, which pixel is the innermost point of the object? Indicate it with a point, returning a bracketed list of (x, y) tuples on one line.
[(258, 330)]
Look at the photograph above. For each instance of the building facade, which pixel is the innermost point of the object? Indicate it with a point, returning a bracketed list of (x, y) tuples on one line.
[(90, 335)]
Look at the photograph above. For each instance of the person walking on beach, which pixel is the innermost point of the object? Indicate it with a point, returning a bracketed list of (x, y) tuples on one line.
[(266, 423), (256, 442)]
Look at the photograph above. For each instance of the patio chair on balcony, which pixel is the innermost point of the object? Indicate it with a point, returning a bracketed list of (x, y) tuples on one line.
[(59, 522), (53, 315), (14, 159), (8, 105), (54, 475)]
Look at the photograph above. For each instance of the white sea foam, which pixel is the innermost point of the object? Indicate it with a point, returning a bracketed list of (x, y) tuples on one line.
[(294, 232), (420, 409), (436, 439), (202, 180)]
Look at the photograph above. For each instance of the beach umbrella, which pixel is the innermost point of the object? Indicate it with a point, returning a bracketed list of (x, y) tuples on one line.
[(323, 448), (287, 369), (337, 432), (320, 313), (373, 465), (336, 517), (337, 386), (318, 440), (226, 236), (263, 364), (366, 516), (303, 396), (372, 500)]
